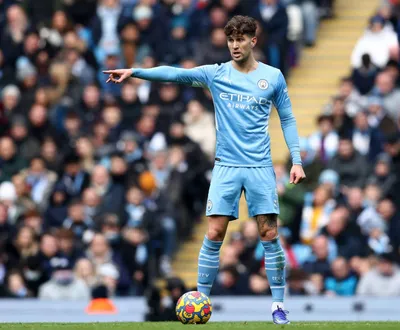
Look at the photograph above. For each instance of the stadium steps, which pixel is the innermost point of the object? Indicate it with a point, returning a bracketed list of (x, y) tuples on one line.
[(310, 87), (316, 79)]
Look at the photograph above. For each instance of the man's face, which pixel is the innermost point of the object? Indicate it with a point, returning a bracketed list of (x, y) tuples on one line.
[(345, 149), (385, 267), (7, 149), (385, 83), (240, 47)]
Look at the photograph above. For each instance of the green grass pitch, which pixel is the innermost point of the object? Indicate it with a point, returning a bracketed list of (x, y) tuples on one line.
[(209, 326)]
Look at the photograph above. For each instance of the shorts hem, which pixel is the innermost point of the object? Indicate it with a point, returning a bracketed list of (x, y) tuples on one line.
[(230, 216), (254, 214)]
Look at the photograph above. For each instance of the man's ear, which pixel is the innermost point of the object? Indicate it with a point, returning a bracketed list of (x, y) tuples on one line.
[(253, 42)]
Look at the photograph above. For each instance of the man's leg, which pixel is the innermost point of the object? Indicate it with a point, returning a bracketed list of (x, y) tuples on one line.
[(209, 252), (274, 262), (222, 206)]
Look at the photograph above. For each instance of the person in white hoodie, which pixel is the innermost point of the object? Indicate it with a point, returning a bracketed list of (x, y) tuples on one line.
[(379, 41), (199, 126)]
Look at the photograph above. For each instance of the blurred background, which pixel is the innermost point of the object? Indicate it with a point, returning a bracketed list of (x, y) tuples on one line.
[(103, 187)]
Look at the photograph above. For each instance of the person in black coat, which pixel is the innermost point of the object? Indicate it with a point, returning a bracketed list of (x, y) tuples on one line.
[(274, 21)]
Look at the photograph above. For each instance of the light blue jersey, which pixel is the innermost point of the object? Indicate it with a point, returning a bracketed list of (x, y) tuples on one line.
[(243, 104)]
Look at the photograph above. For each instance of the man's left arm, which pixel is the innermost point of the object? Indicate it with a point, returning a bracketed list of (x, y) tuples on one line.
[(289, 128)]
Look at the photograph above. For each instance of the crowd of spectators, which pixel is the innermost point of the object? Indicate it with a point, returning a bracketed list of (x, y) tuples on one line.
[(99, 183), (340, 228)]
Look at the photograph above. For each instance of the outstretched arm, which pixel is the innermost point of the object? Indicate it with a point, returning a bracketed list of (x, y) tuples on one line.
[(289, 128), (197, 77)]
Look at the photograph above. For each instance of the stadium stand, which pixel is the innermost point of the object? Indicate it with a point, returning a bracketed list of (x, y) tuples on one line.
[(103, 184)]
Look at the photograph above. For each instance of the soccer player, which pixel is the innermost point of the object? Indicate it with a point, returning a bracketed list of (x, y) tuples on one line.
[(244, 91)]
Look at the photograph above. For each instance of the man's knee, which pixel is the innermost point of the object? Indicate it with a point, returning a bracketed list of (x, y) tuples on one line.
[(215, 234), (217, 228), (267, 226)]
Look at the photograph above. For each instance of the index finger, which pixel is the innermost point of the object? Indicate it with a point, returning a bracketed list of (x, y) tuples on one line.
[(108, 71)]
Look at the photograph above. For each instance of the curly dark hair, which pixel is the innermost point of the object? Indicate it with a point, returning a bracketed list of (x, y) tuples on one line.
[(239, 25)]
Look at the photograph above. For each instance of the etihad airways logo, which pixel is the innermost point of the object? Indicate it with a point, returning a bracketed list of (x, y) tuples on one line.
[(243, 98)]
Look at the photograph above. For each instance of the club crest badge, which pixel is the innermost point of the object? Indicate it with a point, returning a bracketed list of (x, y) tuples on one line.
[(209, 205), (262, 84)]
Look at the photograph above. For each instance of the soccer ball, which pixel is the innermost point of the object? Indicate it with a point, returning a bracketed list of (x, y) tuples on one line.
[(194, 307)]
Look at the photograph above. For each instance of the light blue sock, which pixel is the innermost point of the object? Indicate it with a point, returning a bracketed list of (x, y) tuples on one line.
[(208, 265), (275, 268)]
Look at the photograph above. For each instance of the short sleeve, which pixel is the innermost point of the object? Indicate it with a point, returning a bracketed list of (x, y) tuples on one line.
[(281, 97)]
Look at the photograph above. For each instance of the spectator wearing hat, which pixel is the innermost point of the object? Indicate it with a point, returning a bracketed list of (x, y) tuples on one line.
[(153, 29), (63, 284), (381, 281), (74, 178), (273, 18), (27, 77), (325, 141), (27, 146), (10, 162), (377, 42), (57, 210), (378, 118), (382, 174), (128, 145)]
